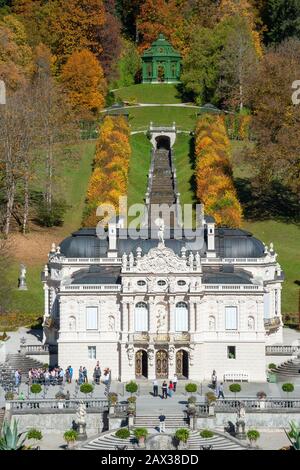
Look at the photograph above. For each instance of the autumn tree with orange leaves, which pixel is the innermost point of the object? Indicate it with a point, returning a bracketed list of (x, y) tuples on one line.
[(215, 188), (82, 78), (111, 164)]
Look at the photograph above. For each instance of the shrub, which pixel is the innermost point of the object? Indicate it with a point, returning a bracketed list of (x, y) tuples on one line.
[(272, 366), (211, 397), (70, 435), (60, 396), (182, 434), (45, 366), (9, 396), (206, 433), (288, 387), (86, 388), (192, 399), (235, 388), (253, 435), (54, 216), (36, 388), (140, 433), (261, 394), (34, 434), (131, 387), (131, 399), (123, 433), (191, 388), (112, 397)]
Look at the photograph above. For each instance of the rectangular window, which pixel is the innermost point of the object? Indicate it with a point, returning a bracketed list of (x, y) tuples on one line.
[(92, 352), (231, 352), (231, 318), (92, 318)]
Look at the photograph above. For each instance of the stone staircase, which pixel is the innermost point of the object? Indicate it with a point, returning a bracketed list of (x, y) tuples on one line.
[(289, 368), (219, 441), (22, 362), (162, 189), (173, 421)]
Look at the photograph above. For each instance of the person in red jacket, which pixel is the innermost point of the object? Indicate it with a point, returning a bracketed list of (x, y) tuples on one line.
[(171, 388)]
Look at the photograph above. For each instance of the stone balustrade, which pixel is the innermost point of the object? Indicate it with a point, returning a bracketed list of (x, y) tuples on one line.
[(283, 350), (54, 404), (251, 404)]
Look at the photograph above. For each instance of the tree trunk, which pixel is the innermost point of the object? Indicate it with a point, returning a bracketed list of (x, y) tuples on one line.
[(26, 203)]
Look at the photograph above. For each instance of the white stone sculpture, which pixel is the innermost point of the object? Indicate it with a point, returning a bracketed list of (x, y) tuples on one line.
[(22, 278), (131, 260), (130, 354), (124, 262), (198, 260), (161, 228)]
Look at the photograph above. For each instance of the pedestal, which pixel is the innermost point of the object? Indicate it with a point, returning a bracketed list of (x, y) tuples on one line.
[(81, 432), (240, 430)]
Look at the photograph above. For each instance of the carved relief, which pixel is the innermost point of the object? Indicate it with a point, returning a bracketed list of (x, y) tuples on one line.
[(161, 260)]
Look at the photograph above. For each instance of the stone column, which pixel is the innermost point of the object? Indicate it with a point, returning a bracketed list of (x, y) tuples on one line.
[(192, 319), (151, 362), (46, 300), (131, 316), (125, 306), (172, 361), (199, 323), (151, 313)]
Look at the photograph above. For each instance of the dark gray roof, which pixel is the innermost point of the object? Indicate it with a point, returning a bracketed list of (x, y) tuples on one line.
[(230, 243), (97, 275)]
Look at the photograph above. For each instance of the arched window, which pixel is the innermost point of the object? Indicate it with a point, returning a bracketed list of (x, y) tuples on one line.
[(251, 323), (141, 317), (181, 317), (211, 323)]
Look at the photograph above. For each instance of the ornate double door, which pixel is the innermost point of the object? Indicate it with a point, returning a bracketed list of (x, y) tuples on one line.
[(161, 364), (182, 364), (141, 364)]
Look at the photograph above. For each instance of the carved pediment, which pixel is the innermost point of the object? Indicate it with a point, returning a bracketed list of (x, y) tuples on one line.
[(161, 260)]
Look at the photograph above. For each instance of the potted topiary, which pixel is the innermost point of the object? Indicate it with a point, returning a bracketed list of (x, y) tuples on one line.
[(9, 396), (182, 435), (191, 407), (253, 435), (60, 396), (206, 433), (131, 405), (211, 400), (86, 388), (112, 400), (35, 435), (141, 434), (191, 388), (271, 374), (123, 433), (131, 387), (70, 437), (235, 388), (288, 388)]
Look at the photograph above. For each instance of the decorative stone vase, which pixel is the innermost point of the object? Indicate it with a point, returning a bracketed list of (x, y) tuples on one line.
[(60, 405), (211, 409)]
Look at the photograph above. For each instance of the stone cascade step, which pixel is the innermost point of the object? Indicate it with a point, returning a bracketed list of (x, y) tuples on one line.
[(109, 441), (173, 421), (289, 368)]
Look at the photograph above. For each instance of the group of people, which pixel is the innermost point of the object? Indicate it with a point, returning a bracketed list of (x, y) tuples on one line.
[(217, 386), (167, 389)]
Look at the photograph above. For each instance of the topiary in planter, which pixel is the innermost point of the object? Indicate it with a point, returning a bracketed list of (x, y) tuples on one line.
[(86, 388), (272, 366), (235, 388), (113, 398), (140, 433), (206, 433), (123, 433), (261, 395), (70, 435), (131, 399), (191, 388), (9, 396), (288, 388), (253, 435), (182, 434), (131, 387), (192, 399), (211, 397), (36, 388)]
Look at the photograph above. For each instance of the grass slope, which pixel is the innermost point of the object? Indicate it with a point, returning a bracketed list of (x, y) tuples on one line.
[(140, 117), (138, 168), (32, 249), (147, 93)]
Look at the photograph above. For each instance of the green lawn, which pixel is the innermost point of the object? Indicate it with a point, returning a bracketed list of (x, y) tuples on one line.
[(138, 169), (140, 117), (147, 93), (75, 183), (184, 168)]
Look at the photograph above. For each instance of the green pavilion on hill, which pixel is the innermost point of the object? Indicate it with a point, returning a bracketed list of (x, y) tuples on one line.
[(161, 63)]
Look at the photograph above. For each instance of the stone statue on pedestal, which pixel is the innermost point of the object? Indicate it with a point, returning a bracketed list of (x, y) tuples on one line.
[(22, 278), (80, 421), (240, 422)]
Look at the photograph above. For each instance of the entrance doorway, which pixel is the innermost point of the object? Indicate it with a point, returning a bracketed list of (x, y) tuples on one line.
[(161, 73), (161, 364), (141, 364), (182, 364)]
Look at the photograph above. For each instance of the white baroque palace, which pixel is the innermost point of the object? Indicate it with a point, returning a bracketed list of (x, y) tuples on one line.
[(148, 308)]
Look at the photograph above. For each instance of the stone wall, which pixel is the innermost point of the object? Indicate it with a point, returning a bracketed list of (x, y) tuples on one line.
[(263, 420)]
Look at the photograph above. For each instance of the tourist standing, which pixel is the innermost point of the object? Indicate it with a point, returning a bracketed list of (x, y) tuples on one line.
[(171, 389), (214, 379), (162, 423), (97, 374), (164, 390), (85, 378), (80, 376), (17, 378), (221, 390), (70, 374), (155, 388), (175, 379)]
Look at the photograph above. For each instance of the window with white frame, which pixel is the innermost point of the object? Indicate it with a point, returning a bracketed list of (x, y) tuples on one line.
[(141, 317), (231, 321), (92, 318), (181, 317), (92, 352)]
